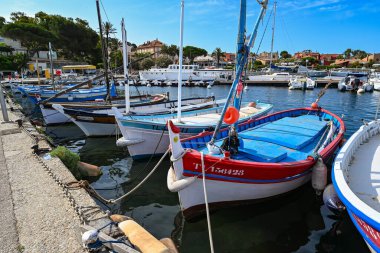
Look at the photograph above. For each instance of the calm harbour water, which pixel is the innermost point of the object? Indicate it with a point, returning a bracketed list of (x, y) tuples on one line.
[(298, 222)]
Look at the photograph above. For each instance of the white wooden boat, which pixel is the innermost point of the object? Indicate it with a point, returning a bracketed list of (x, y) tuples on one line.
[(356, 179), (101, 122), (148, 135)]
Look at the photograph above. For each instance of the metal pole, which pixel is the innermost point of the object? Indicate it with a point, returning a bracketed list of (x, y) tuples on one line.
[(240, 44), (125, 65), (3, 105), (180, 63), (274, 24), (38, 71), (239, 70), (51, 65), (105, 61)]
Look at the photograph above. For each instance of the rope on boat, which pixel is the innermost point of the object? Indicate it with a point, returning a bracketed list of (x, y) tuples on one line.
[(323, 91), (377, 109), (175, 159), (206, 203), (113, 201), (315, 151)]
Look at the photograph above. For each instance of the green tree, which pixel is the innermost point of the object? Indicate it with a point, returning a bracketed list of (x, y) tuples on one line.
[(218, 53), (284, 54), (20, 61), (191, 52), (146, 63), (2, 22), (16, 61), (163, 61), (31, 36), (257, 64), (347, 53), (359, 54), (4, 48), (171, 50), (310, 61), (21, 17)]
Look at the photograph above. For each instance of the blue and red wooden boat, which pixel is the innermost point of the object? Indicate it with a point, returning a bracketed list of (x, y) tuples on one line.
[(276, 154), (256, 159)]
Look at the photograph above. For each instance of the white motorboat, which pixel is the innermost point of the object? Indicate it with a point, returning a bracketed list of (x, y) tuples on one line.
[(375, 81), (190, 73), (299, 83), (281, 76)]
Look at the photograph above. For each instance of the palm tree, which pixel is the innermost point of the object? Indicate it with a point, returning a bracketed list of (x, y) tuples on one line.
[(218, 53), (107, 30)]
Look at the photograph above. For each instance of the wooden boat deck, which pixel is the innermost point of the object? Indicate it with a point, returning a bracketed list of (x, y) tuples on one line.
[(286, 140), (363, 175)]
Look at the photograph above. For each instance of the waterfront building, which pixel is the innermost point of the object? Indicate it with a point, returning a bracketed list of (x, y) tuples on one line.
[(205, 61), (150, 47), (307, 53), (328, 59)]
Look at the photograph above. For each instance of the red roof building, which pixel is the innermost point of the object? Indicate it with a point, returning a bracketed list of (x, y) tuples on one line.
[(327, 59)]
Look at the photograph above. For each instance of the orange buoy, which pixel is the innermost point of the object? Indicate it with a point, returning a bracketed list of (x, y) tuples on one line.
[(231, 116), (314, 105)]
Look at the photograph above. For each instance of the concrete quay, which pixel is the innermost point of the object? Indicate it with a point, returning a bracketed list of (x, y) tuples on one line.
[(35, 214)]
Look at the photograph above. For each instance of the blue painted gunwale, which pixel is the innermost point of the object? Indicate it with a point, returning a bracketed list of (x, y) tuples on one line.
[(139, 122), (353, 210)]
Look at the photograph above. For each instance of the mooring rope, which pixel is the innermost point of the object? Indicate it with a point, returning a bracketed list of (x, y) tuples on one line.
[(206, 203)]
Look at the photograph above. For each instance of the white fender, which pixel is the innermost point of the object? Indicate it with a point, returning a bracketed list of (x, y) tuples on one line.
[(175, 185), (319, 176), (360, 90)]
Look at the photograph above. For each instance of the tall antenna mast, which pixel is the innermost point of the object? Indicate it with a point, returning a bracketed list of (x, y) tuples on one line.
[(180, 62), (105, 62), (274, 25)]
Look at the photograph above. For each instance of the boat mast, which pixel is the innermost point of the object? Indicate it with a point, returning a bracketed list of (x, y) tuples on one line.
[(125, 65), (240, 44), (105, 62), (241, 64), (51, 65), (274, 25), (180, 63)]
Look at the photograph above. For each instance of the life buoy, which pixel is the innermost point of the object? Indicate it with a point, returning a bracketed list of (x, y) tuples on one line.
[(231, 116)]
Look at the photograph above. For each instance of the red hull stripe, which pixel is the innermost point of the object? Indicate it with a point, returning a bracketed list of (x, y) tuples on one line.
[(189, 173), (371, 235)]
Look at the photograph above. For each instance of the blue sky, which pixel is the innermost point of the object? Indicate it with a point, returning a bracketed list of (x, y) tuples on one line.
[(328, 26)]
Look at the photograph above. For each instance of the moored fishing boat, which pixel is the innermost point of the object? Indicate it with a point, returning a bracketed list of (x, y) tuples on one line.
[(355, 177), (256, 159), (101, 121), (148, 135), (52, 116), (275, 154)]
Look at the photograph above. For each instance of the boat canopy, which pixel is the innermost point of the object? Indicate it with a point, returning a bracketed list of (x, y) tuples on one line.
[(78, 67)]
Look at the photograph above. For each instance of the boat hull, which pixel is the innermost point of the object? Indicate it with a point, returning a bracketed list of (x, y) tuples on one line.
[(354, 177), (230, 180), (238, 193), (53, 117)]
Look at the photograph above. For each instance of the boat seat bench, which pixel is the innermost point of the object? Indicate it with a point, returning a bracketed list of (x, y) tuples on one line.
[(288, 132)]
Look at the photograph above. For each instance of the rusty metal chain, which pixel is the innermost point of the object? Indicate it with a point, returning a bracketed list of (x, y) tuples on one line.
[(77, 208)]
